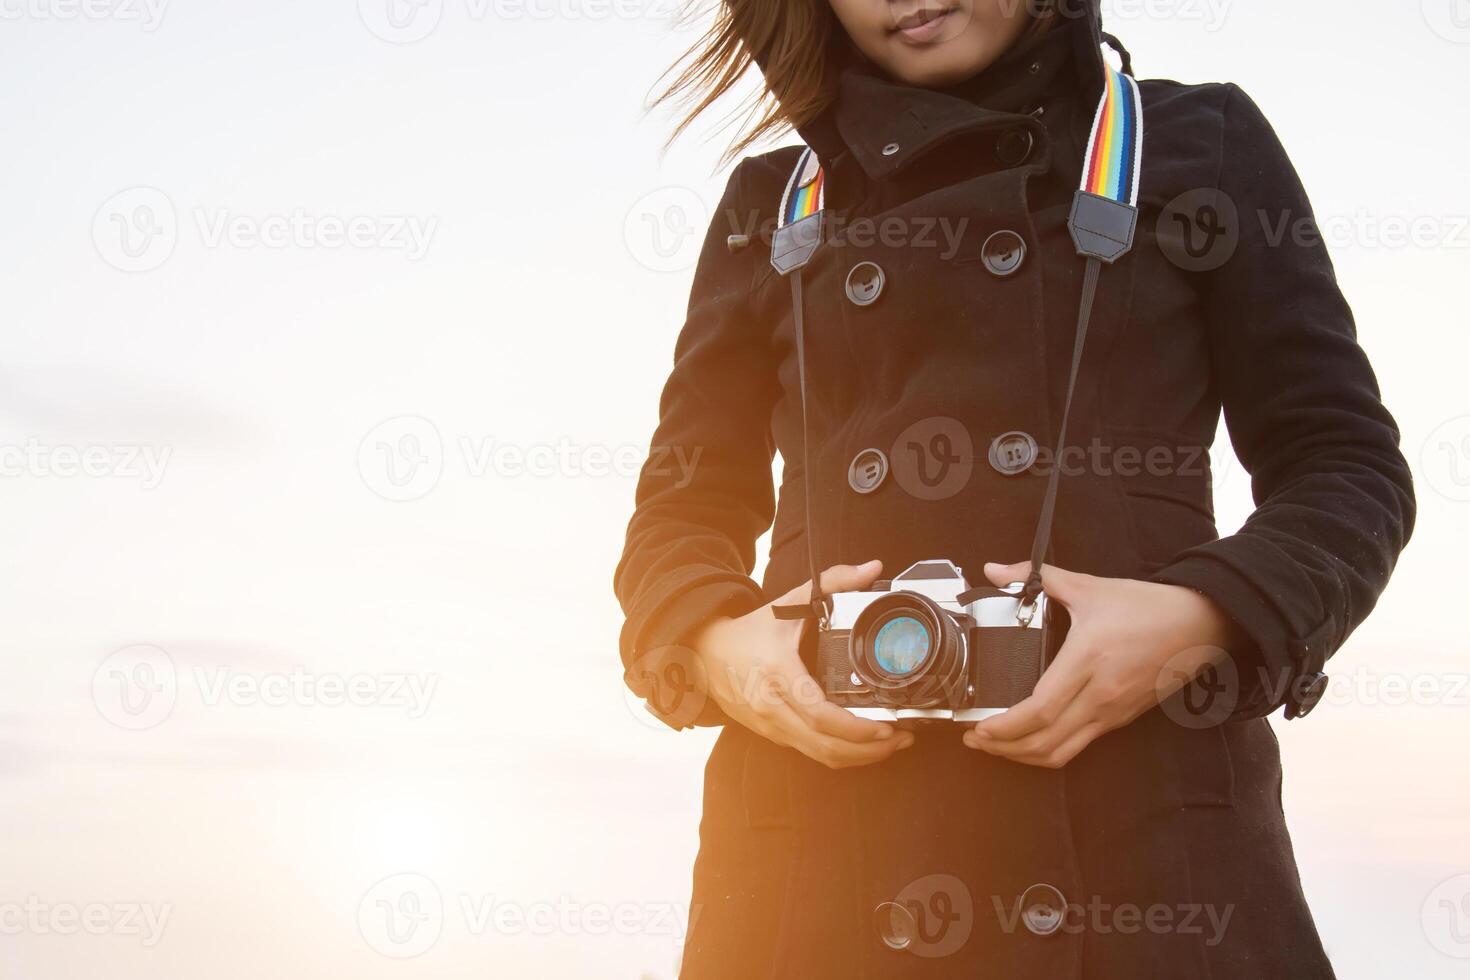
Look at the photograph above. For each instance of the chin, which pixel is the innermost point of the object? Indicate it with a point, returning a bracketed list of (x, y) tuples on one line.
[(934, 71)]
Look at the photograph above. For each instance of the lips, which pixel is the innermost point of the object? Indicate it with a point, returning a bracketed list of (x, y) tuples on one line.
[(923, 26)]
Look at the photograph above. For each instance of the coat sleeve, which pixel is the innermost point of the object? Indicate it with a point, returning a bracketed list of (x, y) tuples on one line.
[(1334, 498), (706, 493)]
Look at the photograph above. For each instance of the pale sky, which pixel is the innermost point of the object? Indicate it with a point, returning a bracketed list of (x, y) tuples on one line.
[(352, 233)]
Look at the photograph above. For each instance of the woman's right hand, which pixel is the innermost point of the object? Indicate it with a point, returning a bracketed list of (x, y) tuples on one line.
[(753, 671)]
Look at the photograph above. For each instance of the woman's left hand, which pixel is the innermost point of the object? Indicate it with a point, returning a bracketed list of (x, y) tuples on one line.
[(1131, 644)]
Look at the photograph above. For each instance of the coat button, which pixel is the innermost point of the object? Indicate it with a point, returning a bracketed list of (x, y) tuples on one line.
[(1014, 146), (890, 149), (1012, 452), (865, 283), (867, 471), (896, 925), (1043, 909), (1311, 689), (1003, 253)]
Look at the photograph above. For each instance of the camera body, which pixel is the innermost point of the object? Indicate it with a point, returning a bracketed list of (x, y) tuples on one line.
[(926, 648)]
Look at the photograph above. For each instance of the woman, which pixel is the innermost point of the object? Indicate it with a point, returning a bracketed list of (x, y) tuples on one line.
[(1104, 826)]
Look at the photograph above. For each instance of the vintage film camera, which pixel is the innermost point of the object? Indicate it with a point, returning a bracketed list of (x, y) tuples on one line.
[(927, 648)]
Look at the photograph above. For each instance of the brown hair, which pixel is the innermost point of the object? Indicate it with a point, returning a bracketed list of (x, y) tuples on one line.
[(794, 43), (791, 41)]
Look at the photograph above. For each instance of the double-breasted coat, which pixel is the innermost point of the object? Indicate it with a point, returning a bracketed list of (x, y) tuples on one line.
[(1160, 851)]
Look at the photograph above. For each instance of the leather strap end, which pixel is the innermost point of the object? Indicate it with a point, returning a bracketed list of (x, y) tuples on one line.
[(1101, 227), (982, 592), (1033, 587)]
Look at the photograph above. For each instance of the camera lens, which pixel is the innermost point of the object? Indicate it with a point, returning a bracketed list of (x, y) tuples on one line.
[(908, 650), (901, 645)]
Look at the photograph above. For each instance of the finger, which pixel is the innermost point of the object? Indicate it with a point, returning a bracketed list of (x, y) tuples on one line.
[(836, 753), (1038, 744), (1058, 583), (829, 750), (805, 695), (838, 578), (1073, 747), (1068, 750), (766, 712), (1060, 684), (758, 723)]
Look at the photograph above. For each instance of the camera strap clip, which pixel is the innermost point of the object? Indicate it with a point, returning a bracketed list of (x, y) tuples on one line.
[(1104, 214), (799, 227)]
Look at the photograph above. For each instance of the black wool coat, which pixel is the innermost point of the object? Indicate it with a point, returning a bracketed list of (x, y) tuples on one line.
[(1161, 851)]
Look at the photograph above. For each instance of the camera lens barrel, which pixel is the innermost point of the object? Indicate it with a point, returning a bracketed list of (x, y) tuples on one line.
[(909, 651)]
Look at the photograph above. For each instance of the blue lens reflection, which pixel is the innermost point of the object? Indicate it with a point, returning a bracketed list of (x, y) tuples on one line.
[(901, 646)]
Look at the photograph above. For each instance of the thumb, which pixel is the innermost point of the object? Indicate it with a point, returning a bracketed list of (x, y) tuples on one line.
[(1055, 582), (1003, 575), (849, 578), (838, 578)]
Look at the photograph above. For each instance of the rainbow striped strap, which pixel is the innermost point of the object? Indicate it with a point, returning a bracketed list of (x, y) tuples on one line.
[(1105, 210), (1115, 150), (799, 227), (805, 194)]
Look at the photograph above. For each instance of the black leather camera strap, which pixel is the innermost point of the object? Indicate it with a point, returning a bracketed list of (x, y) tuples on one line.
[(1102, 223), (798, 233), (818, 602), (1053, 483)]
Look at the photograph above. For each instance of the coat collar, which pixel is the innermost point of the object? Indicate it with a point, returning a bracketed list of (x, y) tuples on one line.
[(873, 113)]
